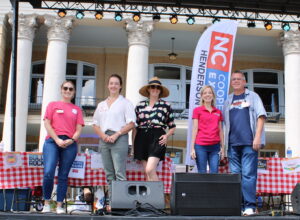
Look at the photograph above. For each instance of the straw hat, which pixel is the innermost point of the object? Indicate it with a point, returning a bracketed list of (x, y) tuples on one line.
[(154, 81)]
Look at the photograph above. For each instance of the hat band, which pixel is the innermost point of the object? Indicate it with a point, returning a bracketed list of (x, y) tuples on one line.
[(155, 81)]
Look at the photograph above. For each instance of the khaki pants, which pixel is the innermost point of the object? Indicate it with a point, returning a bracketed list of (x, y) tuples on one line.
[(114, 157)]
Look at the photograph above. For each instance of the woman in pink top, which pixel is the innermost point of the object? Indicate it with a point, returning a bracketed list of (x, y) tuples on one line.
[(63, 121), (207, 134)]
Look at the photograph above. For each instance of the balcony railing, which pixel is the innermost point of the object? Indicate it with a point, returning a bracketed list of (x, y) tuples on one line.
[(181, 111), (88, 104)]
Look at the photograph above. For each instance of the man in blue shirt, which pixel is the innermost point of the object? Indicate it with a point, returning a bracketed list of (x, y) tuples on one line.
[(244, 117)]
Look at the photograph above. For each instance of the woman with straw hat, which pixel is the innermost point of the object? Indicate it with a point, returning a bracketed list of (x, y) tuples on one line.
[(154, 115)]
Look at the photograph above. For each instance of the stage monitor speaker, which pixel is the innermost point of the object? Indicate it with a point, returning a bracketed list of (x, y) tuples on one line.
[(126, 194), (295, 198), (206, 194)]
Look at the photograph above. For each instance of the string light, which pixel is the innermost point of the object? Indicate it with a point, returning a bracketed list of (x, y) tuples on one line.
[(251, 24), (268, 25), (79, 15), (173, 19), (99, 15), (61, 13), (286, 26), (156, 17), (136, 17), (190, 20), (118, 17)]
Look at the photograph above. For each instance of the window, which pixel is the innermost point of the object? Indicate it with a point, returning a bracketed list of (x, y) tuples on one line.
[(269, 97), (268, 153), (177, 79), (265, 77), (82, 74), (269, 85), (165, 72), (32, 147)]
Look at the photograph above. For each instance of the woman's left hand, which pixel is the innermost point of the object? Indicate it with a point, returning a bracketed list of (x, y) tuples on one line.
[(68, 142), (163, 140)]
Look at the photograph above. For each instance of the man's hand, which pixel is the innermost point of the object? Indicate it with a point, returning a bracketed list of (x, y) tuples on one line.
[(256, 144), (222, 152)]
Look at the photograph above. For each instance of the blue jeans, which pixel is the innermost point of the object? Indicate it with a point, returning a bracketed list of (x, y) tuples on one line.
[(207, 154), (243, 160), (51, 155)]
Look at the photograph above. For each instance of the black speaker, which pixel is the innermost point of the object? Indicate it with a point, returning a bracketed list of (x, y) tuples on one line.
[(127, 194), (206, 194), (295, 198)]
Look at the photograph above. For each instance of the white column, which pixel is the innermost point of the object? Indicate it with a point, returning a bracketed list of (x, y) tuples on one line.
[(291, 49), (137, 64), (26, 30), (55, 69)]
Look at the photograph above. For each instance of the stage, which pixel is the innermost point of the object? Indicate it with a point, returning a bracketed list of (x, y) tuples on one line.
[(86, 216)]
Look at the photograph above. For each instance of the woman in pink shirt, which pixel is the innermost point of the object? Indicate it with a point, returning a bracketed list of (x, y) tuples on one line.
[(207, 134), (63, 121)]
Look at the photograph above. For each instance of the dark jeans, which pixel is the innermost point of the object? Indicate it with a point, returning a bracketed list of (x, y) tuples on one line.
[(51, 155), (207, 154), (243, 160)]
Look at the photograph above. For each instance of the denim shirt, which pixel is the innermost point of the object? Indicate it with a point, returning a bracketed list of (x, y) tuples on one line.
[(256, 110)]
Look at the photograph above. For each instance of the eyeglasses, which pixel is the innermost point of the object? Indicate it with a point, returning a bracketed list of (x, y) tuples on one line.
[(65, 88), (237, 79), (154, 87)]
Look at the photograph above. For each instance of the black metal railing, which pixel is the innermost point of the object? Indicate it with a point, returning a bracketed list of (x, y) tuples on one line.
[(88, 104), (181, 111)]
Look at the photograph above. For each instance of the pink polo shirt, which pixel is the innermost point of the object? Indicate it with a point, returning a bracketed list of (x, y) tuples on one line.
[(208, 125), (64, 117)]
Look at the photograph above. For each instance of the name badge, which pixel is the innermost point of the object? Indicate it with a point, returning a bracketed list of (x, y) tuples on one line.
[(59, 111), (245, 104), (74, 111)]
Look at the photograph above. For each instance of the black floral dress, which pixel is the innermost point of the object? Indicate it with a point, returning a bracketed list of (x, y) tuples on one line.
[(151, 125)]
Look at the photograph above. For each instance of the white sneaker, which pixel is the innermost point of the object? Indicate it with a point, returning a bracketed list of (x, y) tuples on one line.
[(248, 211), (46, 209), (60, 210)]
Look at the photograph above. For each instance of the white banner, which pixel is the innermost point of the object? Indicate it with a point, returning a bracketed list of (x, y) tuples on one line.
[(291, 166), (78, 168), (211, 66), (35, 160), (12, 160)]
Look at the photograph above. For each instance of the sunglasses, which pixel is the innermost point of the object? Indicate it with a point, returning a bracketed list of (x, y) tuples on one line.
[(154, 87), (71, 89)]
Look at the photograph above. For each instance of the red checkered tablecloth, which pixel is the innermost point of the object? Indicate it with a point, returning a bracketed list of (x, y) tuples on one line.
[(24, 176), (275, 181)]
